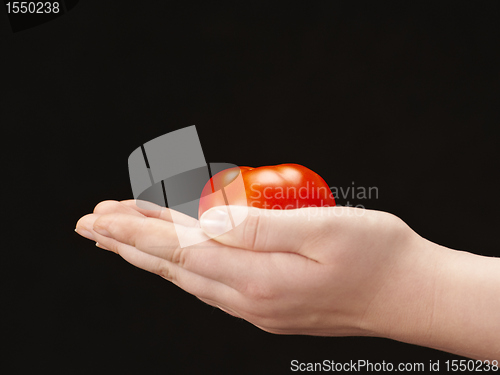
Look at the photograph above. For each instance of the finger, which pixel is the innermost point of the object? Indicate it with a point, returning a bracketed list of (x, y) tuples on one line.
[(158, 238), (265, 230), (84, 226), (152, 210), (111, 206), (190, 282)]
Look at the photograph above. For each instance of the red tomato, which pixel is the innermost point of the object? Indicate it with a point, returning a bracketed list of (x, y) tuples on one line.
[(284, 186)]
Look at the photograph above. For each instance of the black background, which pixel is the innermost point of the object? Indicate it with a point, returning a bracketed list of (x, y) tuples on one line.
[(404, 98)]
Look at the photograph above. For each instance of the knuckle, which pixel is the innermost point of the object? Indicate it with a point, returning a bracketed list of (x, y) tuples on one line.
[(253, 234), (165, 271), (179, 256)]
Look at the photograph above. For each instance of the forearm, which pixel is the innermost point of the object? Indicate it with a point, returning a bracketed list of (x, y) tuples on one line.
[(443, 299)]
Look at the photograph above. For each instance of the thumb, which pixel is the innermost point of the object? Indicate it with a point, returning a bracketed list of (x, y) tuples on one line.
[(257, 229)]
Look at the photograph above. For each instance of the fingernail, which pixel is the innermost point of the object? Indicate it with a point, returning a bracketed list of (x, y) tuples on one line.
[(215, 222), (102, 231), (101, 246), (84, 233)]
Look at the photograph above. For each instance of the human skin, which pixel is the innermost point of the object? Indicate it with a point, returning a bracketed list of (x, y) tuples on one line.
[(329, 271)]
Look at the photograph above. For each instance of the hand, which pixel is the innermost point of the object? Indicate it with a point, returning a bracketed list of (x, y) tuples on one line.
[(331, 271), (320, 271)]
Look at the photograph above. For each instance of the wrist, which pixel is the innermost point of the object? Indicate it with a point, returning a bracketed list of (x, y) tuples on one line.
[(403, 308)]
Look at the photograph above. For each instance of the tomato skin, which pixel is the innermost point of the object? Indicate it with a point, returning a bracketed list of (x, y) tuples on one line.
[(284, 186)]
